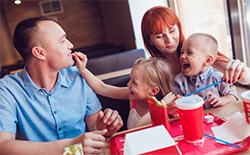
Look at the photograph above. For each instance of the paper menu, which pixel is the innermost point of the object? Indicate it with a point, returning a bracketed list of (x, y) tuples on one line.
[(150, 139), (236, 129)]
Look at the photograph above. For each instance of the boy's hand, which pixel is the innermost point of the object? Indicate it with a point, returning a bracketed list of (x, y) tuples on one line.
[(214, 100)]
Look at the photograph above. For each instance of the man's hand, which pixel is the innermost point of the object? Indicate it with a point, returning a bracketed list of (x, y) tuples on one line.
[(92, 142), (110, 120)]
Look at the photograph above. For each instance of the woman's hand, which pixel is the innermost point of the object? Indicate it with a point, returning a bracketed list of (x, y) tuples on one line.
[(236, 71)]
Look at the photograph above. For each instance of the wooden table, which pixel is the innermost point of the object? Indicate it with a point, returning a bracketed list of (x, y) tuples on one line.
[(222, 112), (227, 110)]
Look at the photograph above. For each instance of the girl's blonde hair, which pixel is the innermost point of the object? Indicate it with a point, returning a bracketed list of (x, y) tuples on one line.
[(157, 72)]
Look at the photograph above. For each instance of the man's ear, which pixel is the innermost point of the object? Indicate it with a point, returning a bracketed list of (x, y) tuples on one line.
[(155, 90), (209, 60), (38, 52)]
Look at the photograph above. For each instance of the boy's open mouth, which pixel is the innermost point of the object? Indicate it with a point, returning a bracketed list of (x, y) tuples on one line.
[(185, 65)]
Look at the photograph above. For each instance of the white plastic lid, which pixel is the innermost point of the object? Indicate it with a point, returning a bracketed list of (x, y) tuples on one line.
[(245, 96), (189, 102)]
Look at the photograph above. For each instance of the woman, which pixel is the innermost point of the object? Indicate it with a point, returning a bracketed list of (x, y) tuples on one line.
[(163, 37)]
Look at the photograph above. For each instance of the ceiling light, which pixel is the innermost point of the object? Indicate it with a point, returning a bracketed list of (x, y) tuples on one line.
[(17, 2)]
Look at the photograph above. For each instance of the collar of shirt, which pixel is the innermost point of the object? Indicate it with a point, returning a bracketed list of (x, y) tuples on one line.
[(33, 88), (202, 77)]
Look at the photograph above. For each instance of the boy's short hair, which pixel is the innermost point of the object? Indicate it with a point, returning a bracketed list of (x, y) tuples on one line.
[(210, 43)]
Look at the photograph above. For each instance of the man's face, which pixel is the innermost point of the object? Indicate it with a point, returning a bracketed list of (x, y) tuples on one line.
[(57, 48)]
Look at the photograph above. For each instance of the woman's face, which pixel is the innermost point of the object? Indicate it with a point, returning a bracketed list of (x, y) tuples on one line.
[(167, 41)]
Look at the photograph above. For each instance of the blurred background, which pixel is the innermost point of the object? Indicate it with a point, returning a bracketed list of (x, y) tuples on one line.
[(115, 24)]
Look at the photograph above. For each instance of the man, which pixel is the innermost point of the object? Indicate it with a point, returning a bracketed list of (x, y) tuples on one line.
[(48, 106)]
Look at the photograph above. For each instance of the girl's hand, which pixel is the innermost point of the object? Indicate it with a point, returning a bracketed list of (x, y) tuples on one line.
[(172, 109), (81, 61), (168, 98), (235, 70)]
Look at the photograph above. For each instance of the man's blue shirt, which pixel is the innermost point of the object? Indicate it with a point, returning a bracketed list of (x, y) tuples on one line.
[(34, 114)]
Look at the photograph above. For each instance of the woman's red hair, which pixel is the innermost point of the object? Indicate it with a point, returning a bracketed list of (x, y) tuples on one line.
[(155, 21)]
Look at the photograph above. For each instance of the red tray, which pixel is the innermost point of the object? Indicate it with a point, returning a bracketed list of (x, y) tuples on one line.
[(209, 146)]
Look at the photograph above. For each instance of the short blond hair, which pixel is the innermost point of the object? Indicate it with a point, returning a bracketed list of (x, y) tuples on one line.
[(210, 43)]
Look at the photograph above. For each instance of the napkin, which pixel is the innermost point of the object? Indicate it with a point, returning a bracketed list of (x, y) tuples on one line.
[(236, 129), (73, 150)]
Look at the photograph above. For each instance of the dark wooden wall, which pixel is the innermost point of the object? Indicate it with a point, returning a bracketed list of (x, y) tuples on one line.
[(85, 22)]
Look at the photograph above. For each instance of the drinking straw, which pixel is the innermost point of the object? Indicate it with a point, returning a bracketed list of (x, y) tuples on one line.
[(222, 141), (199, 90)]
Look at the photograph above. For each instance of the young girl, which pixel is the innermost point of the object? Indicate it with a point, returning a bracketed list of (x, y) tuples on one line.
[(151, 76)]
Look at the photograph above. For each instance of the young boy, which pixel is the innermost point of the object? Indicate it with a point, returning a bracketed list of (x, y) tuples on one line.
[(197, 55)]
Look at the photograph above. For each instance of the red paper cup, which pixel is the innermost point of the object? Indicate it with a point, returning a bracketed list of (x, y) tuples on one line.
[(245, 96), (159, 114), (191, 114)]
